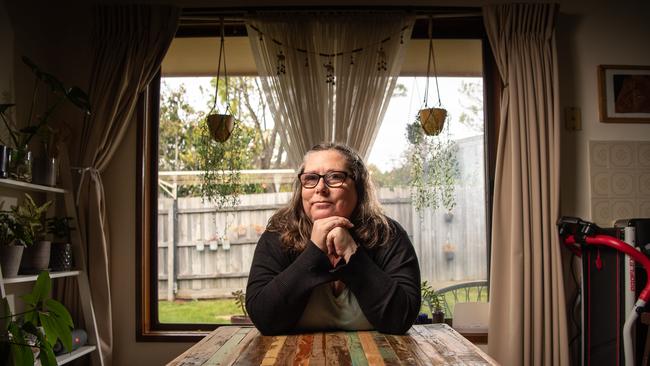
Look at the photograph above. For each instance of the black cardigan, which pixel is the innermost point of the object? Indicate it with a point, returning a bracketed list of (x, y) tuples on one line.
[(385, 280)]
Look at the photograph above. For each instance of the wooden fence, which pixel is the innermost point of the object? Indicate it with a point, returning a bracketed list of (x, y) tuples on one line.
[(209, 252)]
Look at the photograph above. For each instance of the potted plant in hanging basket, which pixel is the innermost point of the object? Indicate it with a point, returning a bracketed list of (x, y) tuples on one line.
[(432, 120), (449, 250), (220, 126)]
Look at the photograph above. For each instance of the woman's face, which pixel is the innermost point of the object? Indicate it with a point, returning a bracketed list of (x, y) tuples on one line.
[(323, 201)]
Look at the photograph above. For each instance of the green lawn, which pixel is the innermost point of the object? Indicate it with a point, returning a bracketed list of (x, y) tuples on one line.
[(198, 311), (219, 311)]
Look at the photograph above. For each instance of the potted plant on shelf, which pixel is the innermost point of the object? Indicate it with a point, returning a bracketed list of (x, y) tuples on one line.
[(37, 329), (60, 229), (240, 300), (11, 251), (21, 135), (29, 231), (434, 302)]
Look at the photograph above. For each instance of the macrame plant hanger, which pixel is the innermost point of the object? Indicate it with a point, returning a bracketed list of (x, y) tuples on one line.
[(221, 125), (432, 120)]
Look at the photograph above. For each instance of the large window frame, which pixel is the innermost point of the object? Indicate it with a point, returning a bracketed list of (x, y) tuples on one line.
[(148, 328)]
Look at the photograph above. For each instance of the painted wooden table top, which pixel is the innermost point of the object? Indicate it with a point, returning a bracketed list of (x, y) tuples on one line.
[(431, 344)]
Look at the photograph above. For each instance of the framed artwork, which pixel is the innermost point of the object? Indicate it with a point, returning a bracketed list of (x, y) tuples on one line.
[(624, 93)]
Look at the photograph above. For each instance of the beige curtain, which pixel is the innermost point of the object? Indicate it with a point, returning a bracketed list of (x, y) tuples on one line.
[(527, 305), (129, 43), (314, 102)]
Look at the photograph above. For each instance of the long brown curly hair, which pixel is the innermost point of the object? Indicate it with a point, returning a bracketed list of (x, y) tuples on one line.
[(371, 227)]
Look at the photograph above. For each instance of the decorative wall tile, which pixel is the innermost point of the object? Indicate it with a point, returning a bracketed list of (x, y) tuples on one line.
[(600, 211), (599, 153), (644, 208), (644, 184), (644, 154), (623, 184), (600, 183), (622, 155), (620, 180)]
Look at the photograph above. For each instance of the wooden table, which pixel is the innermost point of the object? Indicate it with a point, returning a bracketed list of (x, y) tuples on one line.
[(432, 344)]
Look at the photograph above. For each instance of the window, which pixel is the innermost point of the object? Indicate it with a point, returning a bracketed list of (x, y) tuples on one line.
[(194, 258)]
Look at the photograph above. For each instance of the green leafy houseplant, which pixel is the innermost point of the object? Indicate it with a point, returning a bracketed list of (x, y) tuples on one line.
[(43, 322), (433, 301), (28, 217), (21, 135), (38, 121)]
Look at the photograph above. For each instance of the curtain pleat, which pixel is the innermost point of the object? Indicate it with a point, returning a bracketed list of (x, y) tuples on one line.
[(129, 43), (527, 304), (310, 109)]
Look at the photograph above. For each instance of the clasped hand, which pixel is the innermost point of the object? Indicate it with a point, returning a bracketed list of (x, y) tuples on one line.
[(331, 235)]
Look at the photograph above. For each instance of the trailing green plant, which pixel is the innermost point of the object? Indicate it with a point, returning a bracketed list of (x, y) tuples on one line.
[(43, 322), (37, 123), (222, 162), (28, 220), (434, 169), (240, 300)]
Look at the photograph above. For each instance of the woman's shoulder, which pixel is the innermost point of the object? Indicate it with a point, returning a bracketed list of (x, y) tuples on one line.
[(395, 227)]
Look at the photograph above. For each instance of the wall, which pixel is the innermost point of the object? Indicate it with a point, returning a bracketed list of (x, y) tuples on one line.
[(589, 33)]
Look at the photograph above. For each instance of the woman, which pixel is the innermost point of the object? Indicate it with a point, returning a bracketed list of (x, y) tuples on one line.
[(330, 259)]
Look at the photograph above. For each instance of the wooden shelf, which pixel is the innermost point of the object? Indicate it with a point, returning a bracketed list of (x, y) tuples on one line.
[(32, 278), (15, 184), (67, 357)]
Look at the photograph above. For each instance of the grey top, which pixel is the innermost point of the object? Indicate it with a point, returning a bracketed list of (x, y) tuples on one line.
[(325, 311)]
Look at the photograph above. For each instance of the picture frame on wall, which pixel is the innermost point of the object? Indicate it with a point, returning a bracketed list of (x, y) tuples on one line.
[(624, 93)]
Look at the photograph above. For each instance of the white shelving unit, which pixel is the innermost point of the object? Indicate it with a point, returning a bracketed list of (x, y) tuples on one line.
[(79, 273)]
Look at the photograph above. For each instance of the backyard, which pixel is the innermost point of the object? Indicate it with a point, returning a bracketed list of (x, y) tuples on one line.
[(219, 311)]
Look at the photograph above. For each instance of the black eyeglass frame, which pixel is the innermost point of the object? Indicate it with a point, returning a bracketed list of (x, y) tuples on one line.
[(325, 179)]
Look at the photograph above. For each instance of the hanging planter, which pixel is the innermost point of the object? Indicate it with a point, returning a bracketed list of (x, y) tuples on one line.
[(432, 120), (221, 125)]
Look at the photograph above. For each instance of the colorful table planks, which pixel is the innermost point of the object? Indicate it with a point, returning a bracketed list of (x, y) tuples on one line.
[(432, 344)]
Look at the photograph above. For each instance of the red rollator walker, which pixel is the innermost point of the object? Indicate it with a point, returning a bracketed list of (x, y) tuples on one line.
[(577, 234)]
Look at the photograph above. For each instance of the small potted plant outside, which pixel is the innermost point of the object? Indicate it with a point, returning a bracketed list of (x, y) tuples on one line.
[(240, 300), (37, 329), (449, 250), (434, 302), (21, 135), (30, 232), (60, 229)]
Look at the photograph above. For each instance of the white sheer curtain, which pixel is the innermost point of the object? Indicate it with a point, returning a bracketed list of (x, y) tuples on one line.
[(313, 102)]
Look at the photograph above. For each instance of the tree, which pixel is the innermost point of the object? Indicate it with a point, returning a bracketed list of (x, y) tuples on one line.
[(472, 102), (178, 133), (248, 105)]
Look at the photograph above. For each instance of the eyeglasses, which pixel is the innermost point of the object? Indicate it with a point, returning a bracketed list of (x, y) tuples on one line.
[(332, 179)]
